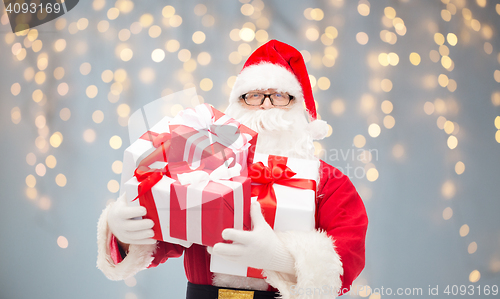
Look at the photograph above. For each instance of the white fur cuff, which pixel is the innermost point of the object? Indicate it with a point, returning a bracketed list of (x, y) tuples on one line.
[(138, 258), (318, 267)]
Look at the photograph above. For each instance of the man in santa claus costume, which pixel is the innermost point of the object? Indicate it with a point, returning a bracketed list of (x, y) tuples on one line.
[(269, 96)]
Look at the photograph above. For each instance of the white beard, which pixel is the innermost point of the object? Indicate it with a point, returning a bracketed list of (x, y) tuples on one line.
[(281, 132)]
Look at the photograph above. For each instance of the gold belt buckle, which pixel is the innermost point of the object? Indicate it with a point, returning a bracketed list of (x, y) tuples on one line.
[(235, 294)]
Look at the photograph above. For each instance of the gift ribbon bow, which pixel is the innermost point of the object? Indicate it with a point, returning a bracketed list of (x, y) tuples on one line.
[(202, 118), (275, 173), (162, 144), (200, 178), (147, 178)]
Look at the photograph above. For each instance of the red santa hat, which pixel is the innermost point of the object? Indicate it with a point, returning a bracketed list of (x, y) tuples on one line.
[(280, 66)]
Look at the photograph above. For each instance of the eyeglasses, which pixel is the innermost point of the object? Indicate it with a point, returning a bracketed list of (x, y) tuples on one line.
[(257, 99)]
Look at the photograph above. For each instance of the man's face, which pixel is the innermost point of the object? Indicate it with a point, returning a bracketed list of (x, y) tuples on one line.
[(267, 101), (282, 131)]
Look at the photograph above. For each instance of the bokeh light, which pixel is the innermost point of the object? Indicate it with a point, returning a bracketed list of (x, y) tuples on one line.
[(338, 107), (115, 142), (474, 276), (415, 58), (448, 189), (50, 161), (447, 213), (198, 37), (91, 91), (117, 167), (15, 115), (65, 114), (464, 230), (158, 55), (89, 135), (372, 174), (362, 38), (62, 242), (61, 180), (364, 8), (472, 248), (374, 130), (98, 116), (459, 167), (389, 121), (56, 139), (206, 84), (398, 151), (113, 186), (359, 141)]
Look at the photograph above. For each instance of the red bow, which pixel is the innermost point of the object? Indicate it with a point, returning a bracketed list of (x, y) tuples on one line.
[(162, 144), (275, 173)]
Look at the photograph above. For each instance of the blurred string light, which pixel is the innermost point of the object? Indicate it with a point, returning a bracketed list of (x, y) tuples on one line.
[(62, 242), (449, 127)]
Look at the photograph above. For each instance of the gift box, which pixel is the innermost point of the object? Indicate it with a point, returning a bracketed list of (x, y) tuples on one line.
[(149, 154), (198, 211), (144, 147), (196, 148), (206, 135), (156, 210), (191, 210), (203, 205), (226, 138), (286, 190)]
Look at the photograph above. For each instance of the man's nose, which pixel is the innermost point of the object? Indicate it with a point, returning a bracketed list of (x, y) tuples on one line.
[(267, 104)]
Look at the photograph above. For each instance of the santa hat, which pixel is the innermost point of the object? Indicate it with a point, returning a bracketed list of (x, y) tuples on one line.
[(280, 66)]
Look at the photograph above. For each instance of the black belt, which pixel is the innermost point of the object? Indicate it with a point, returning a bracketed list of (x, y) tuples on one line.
[(200, 291)]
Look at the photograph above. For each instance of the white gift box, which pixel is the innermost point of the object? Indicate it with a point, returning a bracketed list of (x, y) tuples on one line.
[(129, 184), (159, 209), (295, 210), (160, 190), (140, 149)]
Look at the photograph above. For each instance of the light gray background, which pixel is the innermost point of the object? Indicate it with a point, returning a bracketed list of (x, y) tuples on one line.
[(409, 244)]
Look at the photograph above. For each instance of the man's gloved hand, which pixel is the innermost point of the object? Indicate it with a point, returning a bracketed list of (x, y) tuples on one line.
[(126, 229), (259, 248)]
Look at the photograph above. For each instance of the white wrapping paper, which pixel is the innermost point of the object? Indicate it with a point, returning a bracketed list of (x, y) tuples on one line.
[(295, 209)]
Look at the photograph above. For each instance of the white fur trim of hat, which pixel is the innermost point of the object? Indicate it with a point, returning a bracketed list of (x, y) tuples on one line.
[(264, 76)]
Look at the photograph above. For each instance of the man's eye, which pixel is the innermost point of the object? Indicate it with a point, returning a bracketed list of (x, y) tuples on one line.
[(254, 95), (279, 95)]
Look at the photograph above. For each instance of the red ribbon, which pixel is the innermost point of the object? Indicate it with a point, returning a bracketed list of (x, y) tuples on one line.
[(147, 177), (162, 144), (266, 176), (275, 173)]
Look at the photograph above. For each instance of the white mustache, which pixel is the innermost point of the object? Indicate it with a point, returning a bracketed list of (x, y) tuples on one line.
[(281, 132), (268, 120)]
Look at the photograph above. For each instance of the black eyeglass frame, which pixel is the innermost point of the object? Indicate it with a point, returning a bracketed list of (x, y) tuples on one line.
[(267, 95)]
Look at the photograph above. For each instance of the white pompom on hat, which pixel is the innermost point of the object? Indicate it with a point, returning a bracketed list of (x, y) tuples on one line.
[(280, 66)]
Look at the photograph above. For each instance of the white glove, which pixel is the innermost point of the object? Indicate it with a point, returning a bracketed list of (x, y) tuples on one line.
[(259, 248), (126, 229)]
